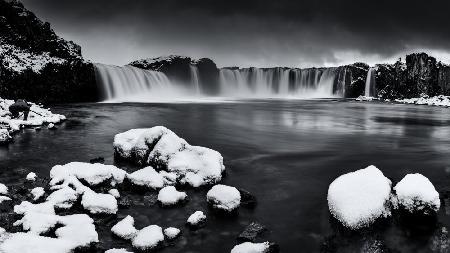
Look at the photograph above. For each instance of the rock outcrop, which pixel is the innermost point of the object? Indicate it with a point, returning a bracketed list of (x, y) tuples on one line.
[(38, 65)]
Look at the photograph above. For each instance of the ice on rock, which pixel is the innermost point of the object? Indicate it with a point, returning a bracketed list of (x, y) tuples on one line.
[(31, 176), (417, 194), (170, 196), (37, 193), (115, 193), (99, 202), (358, 198), (196, 219), (171, 233), (125, 228), (163, 149), (224, 197), (249, 247), (93, 174), (3, 189), (147, 177), (148, 238)]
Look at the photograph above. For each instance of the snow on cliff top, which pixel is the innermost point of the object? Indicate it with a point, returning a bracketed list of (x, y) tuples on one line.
[(358, 198)]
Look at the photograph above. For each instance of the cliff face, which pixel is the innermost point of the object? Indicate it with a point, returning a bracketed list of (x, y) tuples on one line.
[(38, 65)]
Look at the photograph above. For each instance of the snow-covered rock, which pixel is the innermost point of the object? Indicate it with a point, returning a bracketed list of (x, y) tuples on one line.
[(3, 189), (51, 126), (99, 202), (224, 197), (196, 219), (147, 177), (249, 247), (125, 228), (358, 198), (169, 195), (63, 198), (115, 193), (37, 192), (117, 251), (31, 176), (416, 194), (440, 100), (148, 238), (4, 198), (5, 137), (163, 149), (364, 98), (171, 233)]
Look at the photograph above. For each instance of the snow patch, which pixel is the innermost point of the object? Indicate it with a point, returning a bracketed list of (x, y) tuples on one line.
[(224, 197), (169, 195)]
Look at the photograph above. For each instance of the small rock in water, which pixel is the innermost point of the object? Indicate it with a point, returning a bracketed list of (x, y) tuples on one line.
[(52, 126), (247, 199), (97, 160), (37, 193), (249, 247), (118, 251), (169, 196), (124, 202), (196, 220), (224, 198), (125, 228), (251, 232), (171, 233), (5, 138), (148, 238), (31, 176)]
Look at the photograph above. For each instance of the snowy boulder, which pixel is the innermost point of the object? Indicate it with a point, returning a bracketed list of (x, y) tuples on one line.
[(147, 177), (224, 198), (117, 251), (249, 247), (125, 228), (31, 176), (99, 202), (358, 198), (3, 189), (171, 233), (148, 238), (52, 126), (115, 193), (4, 136), (37, 193), (63, 198), (416, 194), (196, 220), (169, 196), (163, 149)]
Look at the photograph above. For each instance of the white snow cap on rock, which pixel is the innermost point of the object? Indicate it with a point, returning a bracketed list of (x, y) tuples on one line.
[(224, 197), (417, 194), (31, 176), (125, 228), (171, 232), (358, 198), (170, 196), (196, 218), (148, 238), (249, 247), (159, 146), (99, 202), (147, 177), (115, 193), (3, 189), (117, 251), (4, 198), (37, 192), (4, 136)]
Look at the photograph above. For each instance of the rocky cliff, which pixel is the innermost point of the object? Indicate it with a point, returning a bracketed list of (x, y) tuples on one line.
[(38, 65)]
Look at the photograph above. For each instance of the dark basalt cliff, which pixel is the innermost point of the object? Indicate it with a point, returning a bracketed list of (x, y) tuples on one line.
[(38, 65)]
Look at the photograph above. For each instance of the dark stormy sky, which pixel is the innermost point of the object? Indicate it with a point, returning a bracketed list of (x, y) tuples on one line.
[(252, 33)]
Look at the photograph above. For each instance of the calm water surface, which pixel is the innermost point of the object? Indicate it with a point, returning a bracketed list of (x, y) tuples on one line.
[(284, 152)]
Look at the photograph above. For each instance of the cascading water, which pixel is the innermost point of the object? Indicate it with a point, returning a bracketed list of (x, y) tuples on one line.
[(129, 83), (369, 90), (278, 82), (194, 78)]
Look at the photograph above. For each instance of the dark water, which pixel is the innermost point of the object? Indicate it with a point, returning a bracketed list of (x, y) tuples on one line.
[(284, 152)]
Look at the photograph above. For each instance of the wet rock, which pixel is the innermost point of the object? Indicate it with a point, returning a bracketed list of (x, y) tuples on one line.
[(247, 199), (252, 231), (97, 160), (124, 202)]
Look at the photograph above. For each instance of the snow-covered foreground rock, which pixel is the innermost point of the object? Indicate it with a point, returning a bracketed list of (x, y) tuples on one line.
[(223, 197), (249, 247), (38, 116), (163, 149), (358, 198), (440, 100), (196, 220), (416, 194), (169, 196)]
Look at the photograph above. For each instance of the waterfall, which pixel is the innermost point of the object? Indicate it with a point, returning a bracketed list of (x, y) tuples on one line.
[(369, 90), (194, 78), (278, 82), (129, 83)]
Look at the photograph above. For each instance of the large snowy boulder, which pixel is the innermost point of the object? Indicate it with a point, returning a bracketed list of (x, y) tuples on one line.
[(416, 194), (163, 149), (223, 197), (358, 198)]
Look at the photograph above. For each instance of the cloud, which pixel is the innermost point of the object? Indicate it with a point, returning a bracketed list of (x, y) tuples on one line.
[(250, 33)]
